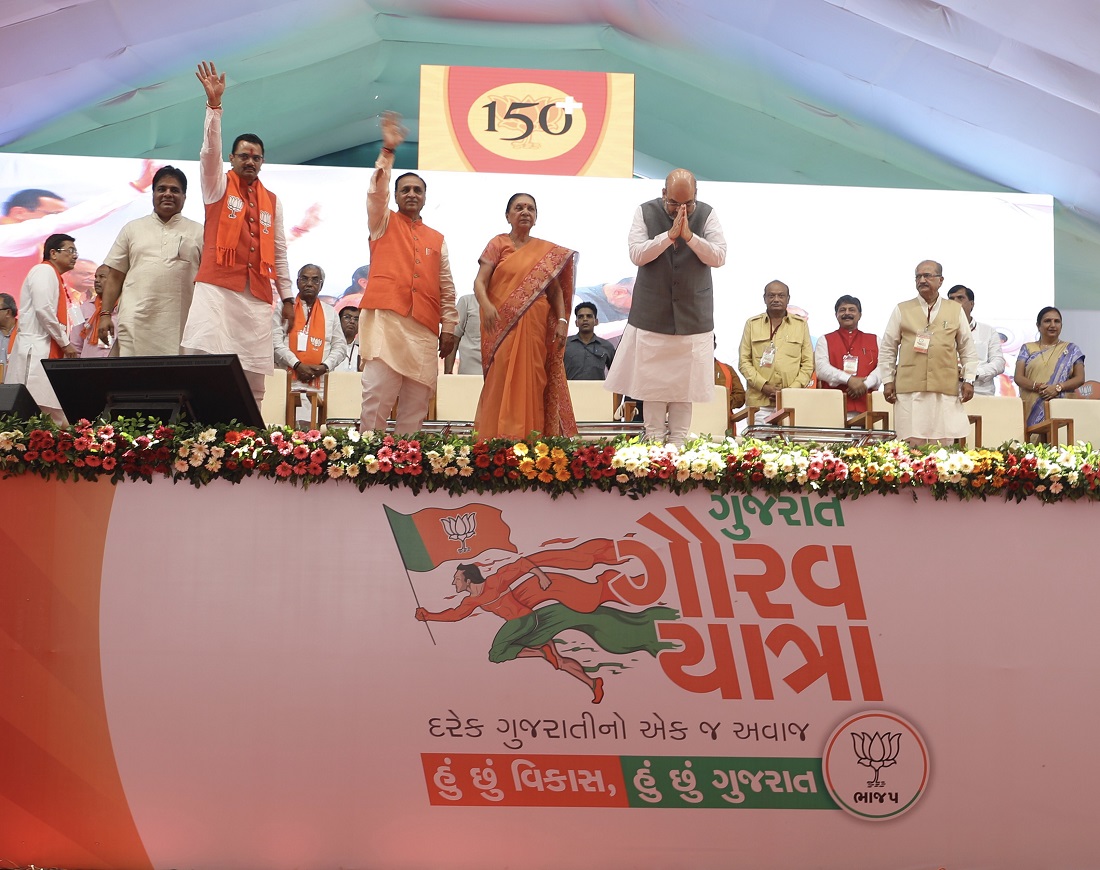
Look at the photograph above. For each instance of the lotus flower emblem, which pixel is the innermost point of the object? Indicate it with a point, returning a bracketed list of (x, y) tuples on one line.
[(459, 528), (876, 751)]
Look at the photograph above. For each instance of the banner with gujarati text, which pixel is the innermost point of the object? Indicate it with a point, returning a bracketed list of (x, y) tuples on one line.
[(256, 675)]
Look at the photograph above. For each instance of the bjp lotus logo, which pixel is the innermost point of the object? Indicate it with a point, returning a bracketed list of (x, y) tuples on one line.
[(460, 527), (876, 744), (876, 751)]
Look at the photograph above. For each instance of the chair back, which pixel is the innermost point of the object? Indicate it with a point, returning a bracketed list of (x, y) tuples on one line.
[(273, 407), (812, 407), (1085, 417), (711, 418), (344, 397), (456, 397), (591, 402), (999, 418)]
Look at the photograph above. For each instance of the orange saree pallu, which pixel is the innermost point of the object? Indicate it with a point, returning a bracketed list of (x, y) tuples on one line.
[(525, 389)]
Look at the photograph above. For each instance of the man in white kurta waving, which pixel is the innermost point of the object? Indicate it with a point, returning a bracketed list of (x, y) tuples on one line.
[(244, 262)]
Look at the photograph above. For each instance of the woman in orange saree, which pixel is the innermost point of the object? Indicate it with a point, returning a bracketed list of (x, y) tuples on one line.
[(524, 287)]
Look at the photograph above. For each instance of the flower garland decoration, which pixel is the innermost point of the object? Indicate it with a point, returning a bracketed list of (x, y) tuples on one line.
[(142, 448)]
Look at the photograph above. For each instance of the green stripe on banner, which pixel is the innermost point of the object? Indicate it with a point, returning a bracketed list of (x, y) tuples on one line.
[(730, 783), (413, 551)]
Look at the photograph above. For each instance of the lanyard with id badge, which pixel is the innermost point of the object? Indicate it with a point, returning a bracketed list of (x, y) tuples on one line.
[(767, 358), (924, 339), (849, 362)]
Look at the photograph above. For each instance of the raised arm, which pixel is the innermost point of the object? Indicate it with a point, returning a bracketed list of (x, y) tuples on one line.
[(211, 174), (378, 194)]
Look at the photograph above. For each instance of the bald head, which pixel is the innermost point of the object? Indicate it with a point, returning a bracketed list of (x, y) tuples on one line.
[(679, 190), (776, 297)]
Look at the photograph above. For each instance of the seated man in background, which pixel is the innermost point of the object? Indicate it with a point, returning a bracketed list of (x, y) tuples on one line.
[(847, 359), (726, 376), (315, 343), (348, 311), (587, 356)]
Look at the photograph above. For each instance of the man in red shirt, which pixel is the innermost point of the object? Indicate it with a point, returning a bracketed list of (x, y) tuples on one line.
[(847, 359)]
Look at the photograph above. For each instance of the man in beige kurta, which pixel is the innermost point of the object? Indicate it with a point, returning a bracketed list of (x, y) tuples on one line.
[(152, 273), (927, 362)]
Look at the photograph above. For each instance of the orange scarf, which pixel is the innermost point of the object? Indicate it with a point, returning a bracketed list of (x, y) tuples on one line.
[(90, 330), (229, 226), (314, 354), (63, 303), (11, 338)]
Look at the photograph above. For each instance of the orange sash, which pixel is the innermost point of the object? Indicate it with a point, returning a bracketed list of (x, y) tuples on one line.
[(90, 330), (62, 313), (229, 226), (11, 338), (314, 354)]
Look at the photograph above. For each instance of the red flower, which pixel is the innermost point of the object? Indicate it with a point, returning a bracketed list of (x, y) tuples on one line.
[(108, 463), (283, 469), (232, 437)]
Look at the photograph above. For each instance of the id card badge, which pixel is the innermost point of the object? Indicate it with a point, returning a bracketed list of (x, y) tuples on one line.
[(850, 364), (301, 341), (922, 342), (768, 357)]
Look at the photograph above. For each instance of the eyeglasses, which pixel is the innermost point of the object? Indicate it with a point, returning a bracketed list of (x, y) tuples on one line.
[(927, 275), (66, 251), (674, 204)]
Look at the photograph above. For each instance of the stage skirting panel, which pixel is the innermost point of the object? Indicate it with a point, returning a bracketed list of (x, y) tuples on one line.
[(234, 676)]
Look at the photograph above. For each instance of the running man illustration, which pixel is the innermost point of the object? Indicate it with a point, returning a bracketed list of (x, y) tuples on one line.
[(538, 601)]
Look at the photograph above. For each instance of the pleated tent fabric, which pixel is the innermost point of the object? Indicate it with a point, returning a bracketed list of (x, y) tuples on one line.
[(964, 94)]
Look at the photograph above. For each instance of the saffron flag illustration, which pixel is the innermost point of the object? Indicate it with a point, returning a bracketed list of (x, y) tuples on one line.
[(432, 536)]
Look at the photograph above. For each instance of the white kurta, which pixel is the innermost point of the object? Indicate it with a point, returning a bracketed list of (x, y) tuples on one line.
[(336, 346), (159, 259), (38, 324), (222, 320)]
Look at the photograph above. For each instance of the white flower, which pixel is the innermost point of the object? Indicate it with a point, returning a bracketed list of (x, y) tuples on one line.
[(217, 452), (346, 451), (622, 478), (207, 436), (465, 472), (354, 436), (370, 463), (180, 465), (213, 465), (450, 471), (328, 442), (335, 471), (353, 470)]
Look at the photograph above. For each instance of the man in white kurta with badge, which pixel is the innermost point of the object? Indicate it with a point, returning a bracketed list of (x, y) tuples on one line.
[(244, 267), (666, 356), (152, 267), (315, 344), (927, 363)]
